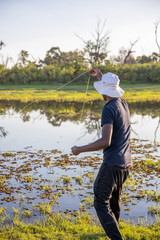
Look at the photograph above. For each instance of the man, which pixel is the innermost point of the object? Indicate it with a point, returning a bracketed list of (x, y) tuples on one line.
[(115, 142)]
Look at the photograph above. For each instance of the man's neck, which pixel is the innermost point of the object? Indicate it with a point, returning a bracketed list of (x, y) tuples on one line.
[(110, 98)]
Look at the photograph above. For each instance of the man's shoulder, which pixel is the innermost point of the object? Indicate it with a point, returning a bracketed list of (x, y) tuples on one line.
[(124, 103), (110, 108), (116, 106), (113, 104), (123, 100)]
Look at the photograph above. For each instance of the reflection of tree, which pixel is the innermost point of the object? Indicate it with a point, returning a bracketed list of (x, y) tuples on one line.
[(155, 133), (145, 108), (59, 112), (3, 133), (25, 117), (92, 124), (156, 129), (55, 120), (134, 130)]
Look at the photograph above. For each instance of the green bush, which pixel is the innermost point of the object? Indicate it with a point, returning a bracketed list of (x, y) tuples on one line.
[(133, 73)]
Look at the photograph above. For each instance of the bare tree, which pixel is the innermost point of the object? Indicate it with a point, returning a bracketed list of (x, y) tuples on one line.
[(125, 55), (155, 133), (96, 48), (156, 34), (2, 44), (129, 51), (121, 56), (6, 60), (3, 133)]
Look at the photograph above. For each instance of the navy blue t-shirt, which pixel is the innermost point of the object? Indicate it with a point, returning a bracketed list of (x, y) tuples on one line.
[(116, 112)]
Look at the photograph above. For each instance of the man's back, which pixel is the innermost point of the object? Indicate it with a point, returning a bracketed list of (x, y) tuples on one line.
[(116, 112)]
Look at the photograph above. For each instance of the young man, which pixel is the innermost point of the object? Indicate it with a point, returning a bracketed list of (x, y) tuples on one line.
[(115, 142)]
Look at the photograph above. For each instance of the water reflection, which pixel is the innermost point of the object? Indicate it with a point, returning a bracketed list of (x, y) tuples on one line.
[(58, 112), (72, 110), (64, 117)]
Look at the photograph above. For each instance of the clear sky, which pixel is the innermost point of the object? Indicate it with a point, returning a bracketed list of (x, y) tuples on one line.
[(37, 25)]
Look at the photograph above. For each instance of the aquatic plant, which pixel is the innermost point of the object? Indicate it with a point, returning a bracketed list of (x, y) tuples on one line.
[(79, 180), (27, 182), (3, 210), (154, 210), (15, 211), (66, 179)]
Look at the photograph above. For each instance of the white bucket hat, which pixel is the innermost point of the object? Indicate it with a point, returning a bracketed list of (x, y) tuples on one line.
[(109, 85)]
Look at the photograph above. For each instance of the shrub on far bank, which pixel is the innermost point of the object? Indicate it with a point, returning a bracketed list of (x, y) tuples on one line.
[(132, 73)]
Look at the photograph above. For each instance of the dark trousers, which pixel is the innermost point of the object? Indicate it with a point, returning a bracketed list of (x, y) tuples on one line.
[(107, 198)]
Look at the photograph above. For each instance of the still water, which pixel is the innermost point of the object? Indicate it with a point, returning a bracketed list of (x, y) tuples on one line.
[(33, 133), (48, 127)]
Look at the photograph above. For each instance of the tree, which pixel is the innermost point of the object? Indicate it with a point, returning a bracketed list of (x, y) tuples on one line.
[(154, 57), (5, 60), (2, 44), (95, 49), (75, 59), (125, 55), (121, 56), (129, 52), (53, 56), (23, 58), (143, 59), (57, 58), (156, 35)]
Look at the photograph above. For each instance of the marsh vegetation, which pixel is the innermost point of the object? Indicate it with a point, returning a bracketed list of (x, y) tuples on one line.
[(41, 180)]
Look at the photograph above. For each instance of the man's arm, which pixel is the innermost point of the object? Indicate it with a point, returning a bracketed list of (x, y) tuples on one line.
[(101, 143), (95, 73)]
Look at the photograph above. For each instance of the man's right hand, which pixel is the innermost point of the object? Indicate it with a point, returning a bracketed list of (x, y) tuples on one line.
[(95, 73)]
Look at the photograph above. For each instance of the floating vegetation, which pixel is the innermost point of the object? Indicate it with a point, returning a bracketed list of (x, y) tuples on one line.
[(2, 210), (154, 210), (42, 182), (67, 180), (79, 180), (153, 195)]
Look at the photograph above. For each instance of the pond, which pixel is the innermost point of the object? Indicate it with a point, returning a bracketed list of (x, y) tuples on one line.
[(37, 166)]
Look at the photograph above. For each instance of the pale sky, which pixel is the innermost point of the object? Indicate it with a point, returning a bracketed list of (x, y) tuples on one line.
[(37, 25)]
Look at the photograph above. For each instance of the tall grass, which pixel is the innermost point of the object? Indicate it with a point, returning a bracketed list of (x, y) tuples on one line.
[(80, 227)]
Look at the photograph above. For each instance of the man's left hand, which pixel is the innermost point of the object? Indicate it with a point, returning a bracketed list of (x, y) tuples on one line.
[(75, 150)]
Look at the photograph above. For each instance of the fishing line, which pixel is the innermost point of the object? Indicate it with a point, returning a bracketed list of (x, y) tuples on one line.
[(70, 81), (56, 89), (28, 105), (83, 107), (85, 96)]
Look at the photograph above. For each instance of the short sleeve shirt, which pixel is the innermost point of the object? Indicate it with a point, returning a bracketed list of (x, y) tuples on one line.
[(116, 112)]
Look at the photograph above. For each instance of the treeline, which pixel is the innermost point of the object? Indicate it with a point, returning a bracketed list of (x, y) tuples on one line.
[(135, 73), (61, 67)]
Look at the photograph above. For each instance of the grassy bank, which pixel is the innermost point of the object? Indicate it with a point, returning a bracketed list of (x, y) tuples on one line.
[(37, 92), (69, 227)]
